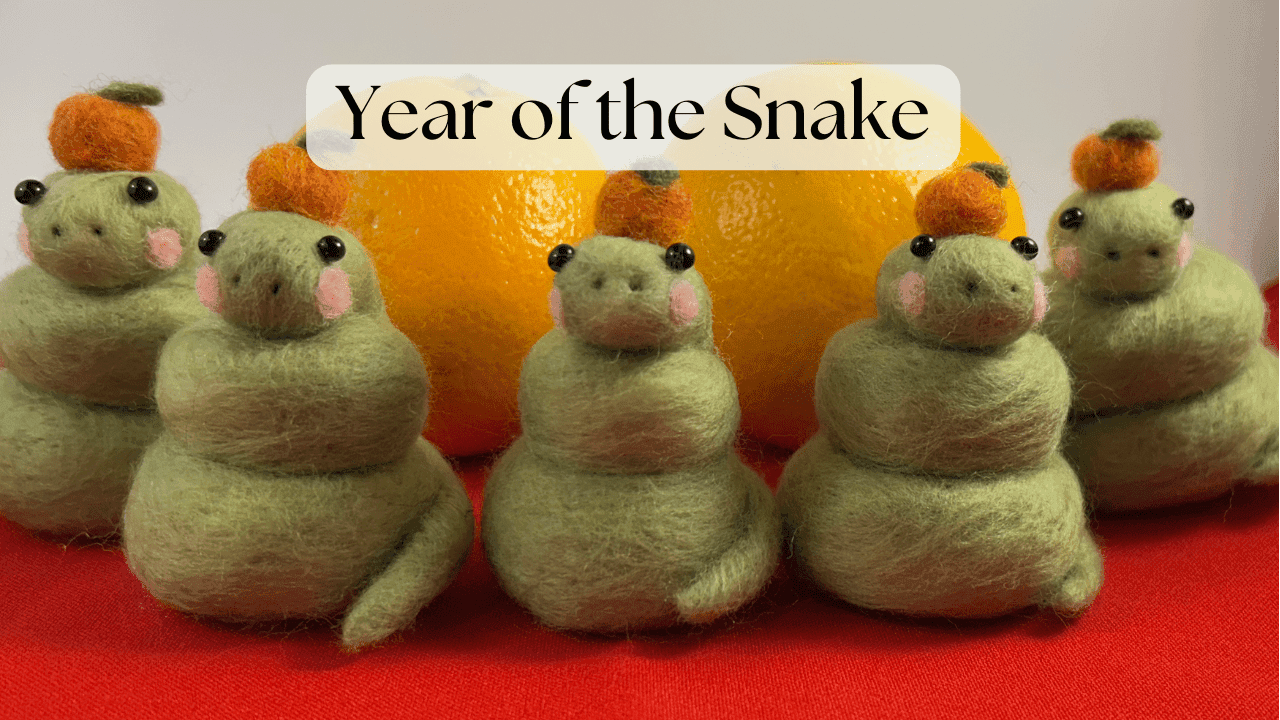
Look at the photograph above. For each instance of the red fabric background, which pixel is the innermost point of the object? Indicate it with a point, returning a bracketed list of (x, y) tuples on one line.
[(1185, 626)]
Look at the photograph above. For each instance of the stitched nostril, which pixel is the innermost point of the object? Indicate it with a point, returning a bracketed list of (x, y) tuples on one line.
[(275, 289), (971, 287), (97, 231), (1013, 288), (57, 231), (1113, 255), (598, 283), (636, 284), (1154, 252), (235, 281)]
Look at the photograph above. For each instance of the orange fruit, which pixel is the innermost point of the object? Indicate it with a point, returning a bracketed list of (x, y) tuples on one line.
[(462, 258), (791, 257)]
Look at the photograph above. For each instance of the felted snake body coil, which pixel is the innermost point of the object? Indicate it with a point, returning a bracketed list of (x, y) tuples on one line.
[(290, 480), (623, 505), (111, 241), (936, 486), (1175, 398)]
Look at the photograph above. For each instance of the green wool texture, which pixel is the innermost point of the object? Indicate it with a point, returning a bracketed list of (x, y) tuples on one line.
[(1135, 328), (244, 399), (1136, 128), (1002, 408), (978, 293), (271, 294), (975, 546), (1185, 450), (659, 178), (66, 465), (99, 347), (1174, 397), (250, 545), (936, 485), (132, 93), (291, 481), (997, 173), (623, 505), (80, 332)]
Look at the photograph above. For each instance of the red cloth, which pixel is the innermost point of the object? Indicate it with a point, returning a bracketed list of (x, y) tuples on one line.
[(1185, 626)]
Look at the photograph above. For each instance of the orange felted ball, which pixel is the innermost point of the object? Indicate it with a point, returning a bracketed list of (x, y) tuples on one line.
[(109, 130), (283, 177), (1122, 157), (650, 205), (965, 201)]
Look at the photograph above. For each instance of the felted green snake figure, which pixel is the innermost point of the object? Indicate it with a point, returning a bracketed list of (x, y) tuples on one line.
[(935, 486), (291, 480), (623, 505), (1175, 398), (111, 242)]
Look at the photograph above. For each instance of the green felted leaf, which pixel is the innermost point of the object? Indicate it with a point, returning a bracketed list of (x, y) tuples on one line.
[(80, 331), (998, 173), (1135, 128), (132, 93)]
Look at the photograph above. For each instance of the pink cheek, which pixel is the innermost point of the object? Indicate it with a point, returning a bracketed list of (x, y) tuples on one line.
[(1184, 251), (208, 289), (24, 241), (333, 293), (1068, 261), (164, 248), (911, 293), (1041, 303), (684, 303), (557, 307)]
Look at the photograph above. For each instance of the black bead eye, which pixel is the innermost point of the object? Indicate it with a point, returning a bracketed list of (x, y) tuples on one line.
[(679, 257), (1182, 207), (1026, 247), (560, 256), (142, 190), (922, 246), (210, 241), (1071, 218), (331, 249), (29, 192)]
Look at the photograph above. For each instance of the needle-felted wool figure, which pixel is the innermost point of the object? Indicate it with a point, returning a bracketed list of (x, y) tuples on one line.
[(290, 480), (935, 486), (112, 247), (1175, 396), (623, 505)]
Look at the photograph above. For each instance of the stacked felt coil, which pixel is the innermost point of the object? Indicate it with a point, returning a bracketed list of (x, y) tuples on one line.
[(936, 485), (623, 505), (1175, 399), (291, 480), (111, 243)]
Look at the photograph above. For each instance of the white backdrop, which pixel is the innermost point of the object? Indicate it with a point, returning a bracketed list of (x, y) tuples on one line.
[(1034, 76)]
